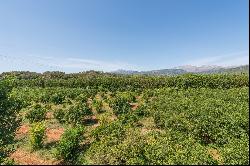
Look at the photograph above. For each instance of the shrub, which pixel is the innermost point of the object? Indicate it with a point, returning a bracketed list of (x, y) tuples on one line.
[(9, 120), (74, 115), (212, 116), (57, 98), (117, 149), (129, 96), (59, 115), (97, 104), (36, 114), (83, 97), (120, 106), (69, 143), (8, 161), (37, 135), (236, 152)]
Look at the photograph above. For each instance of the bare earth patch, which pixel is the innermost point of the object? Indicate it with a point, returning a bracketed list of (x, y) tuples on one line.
[(49, 115), (26, 158), (54, 134), (134, 106), (215, 154), (22, 131)]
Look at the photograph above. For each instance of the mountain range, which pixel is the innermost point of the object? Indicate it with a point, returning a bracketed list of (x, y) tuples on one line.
[(205, 69)]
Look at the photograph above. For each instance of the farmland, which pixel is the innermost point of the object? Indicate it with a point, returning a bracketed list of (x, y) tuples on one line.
[(98, 118)]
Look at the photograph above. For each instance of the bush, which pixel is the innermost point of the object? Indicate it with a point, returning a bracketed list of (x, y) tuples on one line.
[(36, 114), (37, 135), (9, 120), (83, 97), (8, 161), (57, 98), (116, 148), (69, 143), (236, 152), (97, 104), (59, 115), (120, 106), (212, 116), (129, 96), (74, 115), (153, 148)]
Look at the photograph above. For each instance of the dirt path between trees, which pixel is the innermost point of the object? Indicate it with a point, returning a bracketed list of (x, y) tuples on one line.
[(26, 158)]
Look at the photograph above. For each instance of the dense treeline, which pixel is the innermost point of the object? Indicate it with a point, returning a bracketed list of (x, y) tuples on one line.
[(109, 82)]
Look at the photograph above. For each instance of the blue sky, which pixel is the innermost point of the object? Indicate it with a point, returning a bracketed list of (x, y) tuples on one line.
[(78, 35)]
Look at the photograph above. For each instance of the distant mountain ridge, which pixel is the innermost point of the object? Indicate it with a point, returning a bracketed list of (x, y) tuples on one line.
[(205, 69)]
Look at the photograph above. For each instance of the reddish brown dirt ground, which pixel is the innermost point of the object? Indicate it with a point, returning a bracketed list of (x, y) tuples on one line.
[(93, 117), (26, 158), (134, 106), (54, 134), (22, 130), (49, 115)]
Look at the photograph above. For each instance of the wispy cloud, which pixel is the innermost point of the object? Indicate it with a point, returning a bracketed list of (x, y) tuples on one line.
[(233, 59), (65, 64)]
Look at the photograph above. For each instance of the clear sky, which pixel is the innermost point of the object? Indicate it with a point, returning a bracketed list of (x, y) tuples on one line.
[(78, 35)]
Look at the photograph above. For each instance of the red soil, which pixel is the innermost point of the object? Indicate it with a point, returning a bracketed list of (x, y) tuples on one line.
[(26, 158), (22, 131), (54, 134), (49, 115), (134, 106)]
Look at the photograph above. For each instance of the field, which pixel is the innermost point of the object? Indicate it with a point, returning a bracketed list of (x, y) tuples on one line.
[(98, 118)]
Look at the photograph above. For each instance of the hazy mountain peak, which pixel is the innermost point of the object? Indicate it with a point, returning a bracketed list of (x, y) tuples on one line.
[(203, 68), (189, 69)]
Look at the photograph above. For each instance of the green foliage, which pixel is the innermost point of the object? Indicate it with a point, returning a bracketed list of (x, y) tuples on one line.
[(74, 114), (189, 122), (120, 106), (114, 83), (133, 117), (59, 114), (153, 148), (69, 143), (57, 98), (8, 161), (128, 96), (186, 119), (36, 113), (236, 152), (174, 148), (114, 147), (83, 97), (9, 120), (97, 104), (212, 116), (37, 135), (114, 130)]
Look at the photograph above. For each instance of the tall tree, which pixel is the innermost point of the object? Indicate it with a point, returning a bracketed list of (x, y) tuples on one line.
[(8, 119)]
